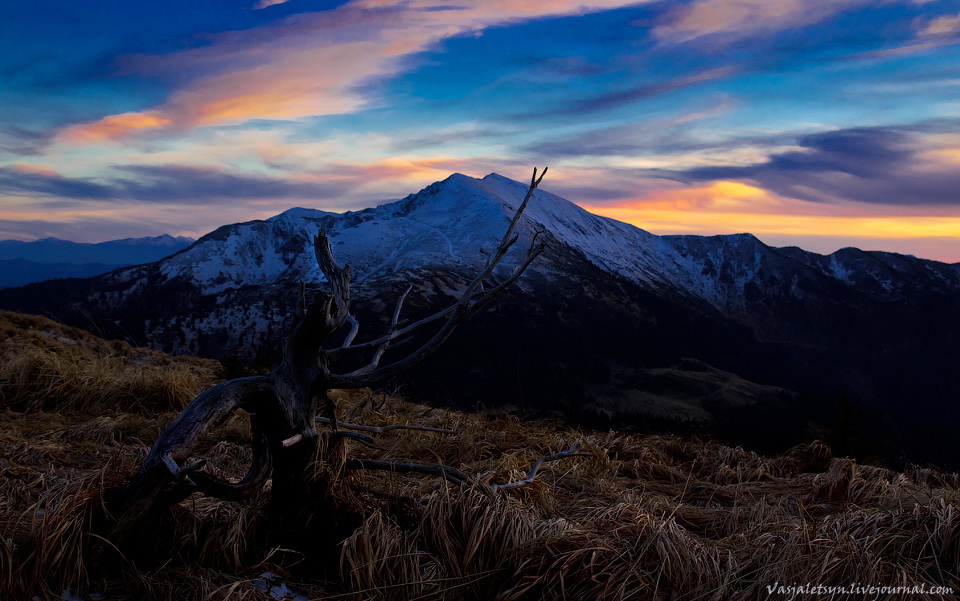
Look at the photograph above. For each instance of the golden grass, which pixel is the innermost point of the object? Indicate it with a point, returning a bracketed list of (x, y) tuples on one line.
[(45, 365), (646, 517)]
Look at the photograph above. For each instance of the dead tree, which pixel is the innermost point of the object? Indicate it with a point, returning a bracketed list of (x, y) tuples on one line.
[(283, 404)]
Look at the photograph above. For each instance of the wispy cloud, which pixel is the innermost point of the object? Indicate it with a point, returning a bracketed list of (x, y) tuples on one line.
[(732, 20), (116, 127), (879, 165), (163, 183), (650, 137), (927, 34), (309, 65), (945, 25), (19, 180), (23, 142), (618, 98), (268, 3)]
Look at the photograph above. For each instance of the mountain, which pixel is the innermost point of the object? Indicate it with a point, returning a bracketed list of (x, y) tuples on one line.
[(17, 272), (859, 337), (48, 258)]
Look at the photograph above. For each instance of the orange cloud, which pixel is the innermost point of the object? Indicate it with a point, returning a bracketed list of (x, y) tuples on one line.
[(718, 197), (35, 169), (116, 127), (308, 65), (950, 156), (427, 170), (731, 207)]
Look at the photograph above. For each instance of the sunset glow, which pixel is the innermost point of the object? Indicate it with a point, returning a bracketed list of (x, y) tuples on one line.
[(807, 123)]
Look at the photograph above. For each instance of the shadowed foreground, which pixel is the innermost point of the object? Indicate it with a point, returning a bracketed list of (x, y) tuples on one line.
[(647, 517)]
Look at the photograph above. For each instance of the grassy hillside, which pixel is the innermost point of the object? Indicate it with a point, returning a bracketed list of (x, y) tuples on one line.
[(48, 366), (644, 517)]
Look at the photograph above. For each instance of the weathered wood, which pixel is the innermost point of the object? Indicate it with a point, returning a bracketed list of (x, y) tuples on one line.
[(573, 451), (473, 298), (388, 428), (283, 404), (455, 476)]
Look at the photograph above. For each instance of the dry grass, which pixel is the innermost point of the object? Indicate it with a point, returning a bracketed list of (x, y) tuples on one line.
[(647, 517), (45, 366)]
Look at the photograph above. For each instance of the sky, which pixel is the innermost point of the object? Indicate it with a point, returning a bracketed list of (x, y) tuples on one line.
[(812, 123)]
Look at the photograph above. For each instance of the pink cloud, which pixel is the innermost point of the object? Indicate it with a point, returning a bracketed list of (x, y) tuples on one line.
[(941, 26), (43, 170), (738, 19), (116, 127), (307, 65), (268, 3)]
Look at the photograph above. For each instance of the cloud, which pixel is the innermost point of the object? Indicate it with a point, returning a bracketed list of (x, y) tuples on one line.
[(414, 141), (20, 180), (912, 47), (116, 127), (926, 35), (612, 100), (165, 184), (885, 166), (308, 64), (171, 183), (268, 3), (732, 20), (639, 139), (23, 142), (946, 25)]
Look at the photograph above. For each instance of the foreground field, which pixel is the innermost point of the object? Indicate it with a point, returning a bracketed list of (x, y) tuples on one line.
[(643, 517)]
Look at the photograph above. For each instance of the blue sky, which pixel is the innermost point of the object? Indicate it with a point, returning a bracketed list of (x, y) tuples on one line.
[(814, 123)]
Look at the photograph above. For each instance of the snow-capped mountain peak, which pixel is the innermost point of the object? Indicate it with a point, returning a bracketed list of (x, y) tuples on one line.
[(447, 224), (603, 297)]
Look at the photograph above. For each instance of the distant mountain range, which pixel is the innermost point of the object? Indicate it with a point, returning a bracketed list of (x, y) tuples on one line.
[(858, 344), (48, 258)]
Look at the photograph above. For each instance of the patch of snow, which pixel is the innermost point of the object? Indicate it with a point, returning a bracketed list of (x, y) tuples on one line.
[(839, 270), (273, 585), (58, 337)]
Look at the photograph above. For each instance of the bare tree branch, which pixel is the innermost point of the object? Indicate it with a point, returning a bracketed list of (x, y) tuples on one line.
[(363, 439), (338, 277), (382, 429), (289, 442), (455, 476), (532, 472), (354, 328), (472, 299), (338, 353), (283, 404), (395, 318)]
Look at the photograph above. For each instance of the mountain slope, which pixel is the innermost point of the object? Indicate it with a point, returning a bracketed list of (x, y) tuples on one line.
[(18, 272), (640, 517), (126, 251), (26, 262), (604, 302)]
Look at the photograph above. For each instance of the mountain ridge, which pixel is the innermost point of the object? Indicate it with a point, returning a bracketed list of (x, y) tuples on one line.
[(879, 327), (50, 258)]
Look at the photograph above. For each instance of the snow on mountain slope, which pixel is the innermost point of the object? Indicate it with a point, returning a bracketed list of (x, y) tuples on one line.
[(882, 273), (614, 246), (603, 300), (446, 225)]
